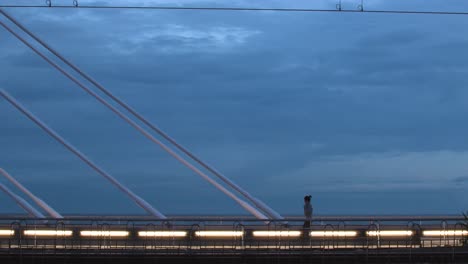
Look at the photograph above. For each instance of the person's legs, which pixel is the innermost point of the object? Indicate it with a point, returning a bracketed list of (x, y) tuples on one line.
[(306, 230)]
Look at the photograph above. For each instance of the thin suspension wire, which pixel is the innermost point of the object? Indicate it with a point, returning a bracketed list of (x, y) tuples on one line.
[(139, 201), (245, 205), (21, 202), (243, 9), (33, 197), (258, 203)]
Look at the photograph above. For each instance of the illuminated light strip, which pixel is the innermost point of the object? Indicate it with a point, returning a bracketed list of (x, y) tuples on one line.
[(390, 233), (48, 232), (445, 232), (6, 232), (87, 233), (162, 233), (219, 233), (333, 233), (277, 233)]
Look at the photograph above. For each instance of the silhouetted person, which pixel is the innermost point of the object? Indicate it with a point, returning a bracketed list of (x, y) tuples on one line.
[(307, 211)]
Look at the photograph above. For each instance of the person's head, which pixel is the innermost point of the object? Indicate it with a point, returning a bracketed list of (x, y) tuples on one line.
[(307, 198)]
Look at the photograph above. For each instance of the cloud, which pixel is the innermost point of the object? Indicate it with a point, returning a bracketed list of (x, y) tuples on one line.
[(380, 171), (176, 38)]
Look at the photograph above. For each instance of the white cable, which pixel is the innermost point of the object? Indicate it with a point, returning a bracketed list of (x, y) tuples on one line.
[(37, 200), (246, 206), (142, 203), (265, 208), (22, 203), (134, 197)]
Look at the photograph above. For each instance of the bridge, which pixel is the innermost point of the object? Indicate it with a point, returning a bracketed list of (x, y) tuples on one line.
[(334, 239)]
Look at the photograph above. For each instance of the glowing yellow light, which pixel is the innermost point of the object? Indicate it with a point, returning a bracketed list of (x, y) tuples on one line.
[(390, 233), (6, 232), (87, 233), (219, 233), (276, 233), (48, 232), (445, 232), (162, 233), (333, 233)]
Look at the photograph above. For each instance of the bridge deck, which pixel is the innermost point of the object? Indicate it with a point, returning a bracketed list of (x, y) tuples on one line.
[(233, 238)]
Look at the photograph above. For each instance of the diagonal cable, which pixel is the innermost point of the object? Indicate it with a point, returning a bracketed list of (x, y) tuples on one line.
[(245, 205), (21, 202), (258, 203), (33, 197), (138, 200)]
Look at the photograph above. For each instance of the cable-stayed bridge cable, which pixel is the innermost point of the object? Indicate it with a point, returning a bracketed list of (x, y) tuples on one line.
[(245, 205), (270, 212), (21, 202), (259, 204), (139, 201), (33, 197)]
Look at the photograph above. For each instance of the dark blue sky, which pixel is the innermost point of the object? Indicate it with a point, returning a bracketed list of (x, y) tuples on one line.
[(366, 112)]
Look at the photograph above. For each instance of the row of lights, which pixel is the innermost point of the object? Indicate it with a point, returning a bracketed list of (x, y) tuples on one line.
[(382, 233)]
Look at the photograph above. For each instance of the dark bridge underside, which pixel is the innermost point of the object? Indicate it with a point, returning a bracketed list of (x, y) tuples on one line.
[(433, 255)]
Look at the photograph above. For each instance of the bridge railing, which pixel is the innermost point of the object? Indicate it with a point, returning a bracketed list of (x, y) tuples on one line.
[(226, 234)]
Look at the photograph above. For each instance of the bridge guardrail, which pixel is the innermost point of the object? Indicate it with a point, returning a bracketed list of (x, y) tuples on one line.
[(220, 235)]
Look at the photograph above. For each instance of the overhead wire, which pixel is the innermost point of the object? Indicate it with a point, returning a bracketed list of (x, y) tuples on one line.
[(339, 9)]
